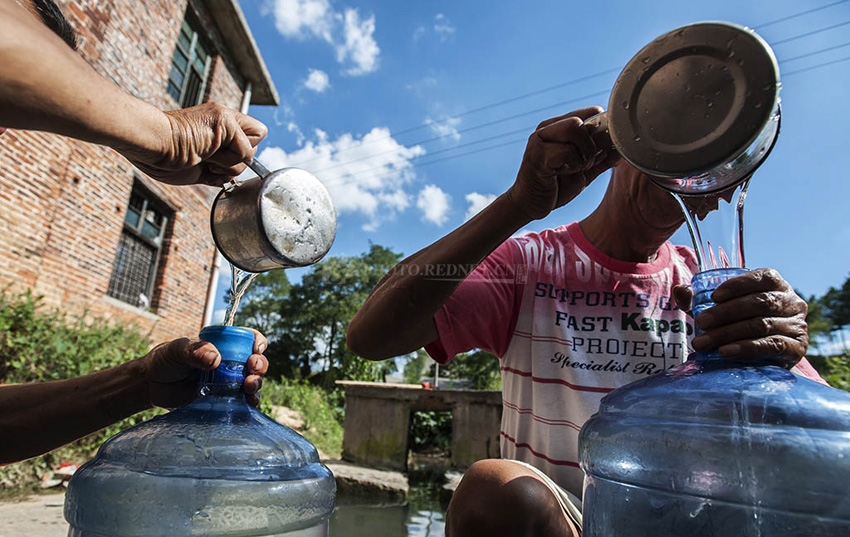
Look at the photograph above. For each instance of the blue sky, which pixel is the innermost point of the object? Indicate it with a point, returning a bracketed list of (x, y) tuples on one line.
[(394, 105)]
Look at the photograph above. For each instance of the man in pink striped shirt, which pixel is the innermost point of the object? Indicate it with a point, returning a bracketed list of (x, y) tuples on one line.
[(573, 313)]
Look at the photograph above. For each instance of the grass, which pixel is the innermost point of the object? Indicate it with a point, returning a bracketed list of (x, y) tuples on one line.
[(322, 411)]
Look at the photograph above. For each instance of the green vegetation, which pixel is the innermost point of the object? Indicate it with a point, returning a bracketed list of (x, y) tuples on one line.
[(322, 411), (479, 367), (828, 318), (39, 345), (306, 322), (836, 371), (430, 431)]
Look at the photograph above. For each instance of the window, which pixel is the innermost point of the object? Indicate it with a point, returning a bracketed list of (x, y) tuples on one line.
[(189, 68), (137, 258)]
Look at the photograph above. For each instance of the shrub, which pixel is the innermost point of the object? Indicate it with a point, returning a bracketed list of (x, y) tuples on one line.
[(37, 346), (430, 431), (836, 371), (322, 411)]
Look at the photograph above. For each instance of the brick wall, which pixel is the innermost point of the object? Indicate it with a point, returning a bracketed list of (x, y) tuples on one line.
[(62, 202)]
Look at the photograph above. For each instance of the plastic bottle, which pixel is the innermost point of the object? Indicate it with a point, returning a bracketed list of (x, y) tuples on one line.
[(215, 467), (713, 448)]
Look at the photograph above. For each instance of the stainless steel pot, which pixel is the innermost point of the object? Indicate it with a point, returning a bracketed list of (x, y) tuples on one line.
[(697, 109), (280, 219)]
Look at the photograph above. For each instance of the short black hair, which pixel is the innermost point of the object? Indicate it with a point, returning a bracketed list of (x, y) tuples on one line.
[(52, 17)]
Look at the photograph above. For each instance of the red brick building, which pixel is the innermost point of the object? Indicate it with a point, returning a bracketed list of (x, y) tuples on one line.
[(78, 224)]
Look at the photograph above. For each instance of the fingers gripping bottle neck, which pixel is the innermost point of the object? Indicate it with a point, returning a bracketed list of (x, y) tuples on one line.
[(703, 284), (235, 346), (214, 467), (713, 448)]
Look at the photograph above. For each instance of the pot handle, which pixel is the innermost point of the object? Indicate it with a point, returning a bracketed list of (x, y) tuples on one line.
[(259, 168), (597, 125)]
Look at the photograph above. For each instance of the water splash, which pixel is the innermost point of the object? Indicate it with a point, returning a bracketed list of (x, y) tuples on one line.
[(716, 225), (239, 282)]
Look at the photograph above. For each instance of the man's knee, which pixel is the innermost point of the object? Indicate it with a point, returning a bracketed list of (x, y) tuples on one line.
[(498, 497)]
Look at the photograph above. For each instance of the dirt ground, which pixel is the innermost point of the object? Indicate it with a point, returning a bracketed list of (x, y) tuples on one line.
[(37, 516)]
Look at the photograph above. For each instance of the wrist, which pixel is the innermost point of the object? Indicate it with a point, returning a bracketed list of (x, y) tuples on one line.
[(515, 209), (132, 395), (144, 134)]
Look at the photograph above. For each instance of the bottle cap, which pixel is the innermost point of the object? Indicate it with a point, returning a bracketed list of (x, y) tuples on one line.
[(234, 343)]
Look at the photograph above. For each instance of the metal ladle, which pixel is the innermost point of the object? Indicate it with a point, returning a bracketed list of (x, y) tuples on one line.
[(280, 219), (697, 109)]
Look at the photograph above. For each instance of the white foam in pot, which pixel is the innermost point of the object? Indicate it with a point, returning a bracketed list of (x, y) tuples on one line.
[(298, 215)]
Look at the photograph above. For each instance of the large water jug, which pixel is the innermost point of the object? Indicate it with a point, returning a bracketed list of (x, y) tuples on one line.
[(215, 467), (713, 448)]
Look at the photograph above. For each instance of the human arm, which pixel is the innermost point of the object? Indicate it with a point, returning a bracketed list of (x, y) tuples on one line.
[(560, 160), (45, 85), (756, 316), (38, 417)]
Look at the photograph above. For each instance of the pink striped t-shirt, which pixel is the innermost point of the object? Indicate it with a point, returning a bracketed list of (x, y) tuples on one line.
[(570, 324)]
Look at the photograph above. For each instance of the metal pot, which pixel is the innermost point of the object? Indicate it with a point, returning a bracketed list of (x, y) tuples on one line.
[(280, 219), (697, 109)]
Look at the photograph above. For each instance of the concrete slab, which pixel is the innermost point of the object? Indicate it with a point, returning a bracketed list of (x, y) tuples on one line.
[(37, 516), (358, 485)]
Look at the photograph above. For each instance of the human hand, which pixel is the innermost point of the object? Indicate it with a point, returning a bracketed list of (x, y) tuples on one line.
[(756, 316), (171, 370), (208, 144), (561, 159)]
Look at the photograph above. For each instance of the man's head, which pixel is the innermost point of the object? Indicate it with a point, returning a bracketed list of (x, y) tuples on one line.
[(657, 205), (649, 205), (50, 14)]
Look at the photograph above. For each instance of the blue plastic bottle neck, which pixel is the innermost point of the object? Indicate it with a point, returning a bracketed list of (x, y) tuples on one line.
[(235, 346), (703, 284)]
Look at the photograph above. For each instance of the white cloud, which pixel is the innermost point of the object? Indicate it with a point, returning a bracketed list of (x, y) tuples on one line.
[(218, 316), (302, 19), (284, 116), (358, 46), (420, 87), (367, 175), (299, 136), (317, 81), (443, 27), (477, 202), (446, 128), (434, 204), (351, 37)]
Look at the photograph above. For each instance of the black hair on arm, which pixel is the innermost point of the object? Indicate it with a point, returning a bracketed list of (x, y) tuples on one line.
[(52, 17)]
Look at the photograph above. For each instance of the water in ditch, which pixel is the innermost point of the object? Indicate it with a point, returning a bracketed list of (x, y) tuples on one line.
[(423, 516)]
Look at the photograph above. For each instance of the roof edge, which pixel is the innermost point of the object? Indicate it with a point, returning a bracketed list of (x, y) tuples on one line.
[(230, 21)]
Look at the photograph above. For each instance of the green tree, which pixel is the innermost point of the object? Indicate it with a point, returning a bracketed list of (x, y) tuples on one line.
[(817, 321), (831, 310), (836, 305), (308, 324), (837, 372), (480, 367), (416, 366), (261, 304)]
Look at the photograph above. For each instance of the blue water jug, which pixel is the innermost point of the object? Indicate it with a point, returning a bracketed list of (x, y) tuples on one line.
[(215, 467), (713, 448)]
